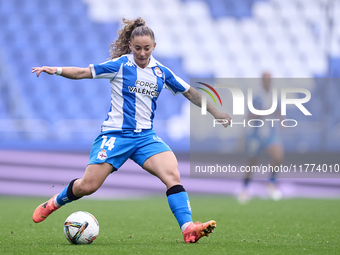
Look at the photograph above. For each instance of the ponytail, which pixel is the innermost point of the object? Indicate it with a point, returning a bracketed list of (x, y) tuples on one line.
[(131, 29)]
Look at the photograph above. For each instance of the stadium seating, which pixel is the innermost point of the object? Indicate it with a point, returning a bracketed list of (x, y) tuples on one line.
[(195, 38)]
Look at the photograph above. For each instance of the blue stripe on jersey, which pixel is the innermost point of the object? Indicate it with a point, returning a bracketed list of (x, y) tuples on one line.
[(129, 105)]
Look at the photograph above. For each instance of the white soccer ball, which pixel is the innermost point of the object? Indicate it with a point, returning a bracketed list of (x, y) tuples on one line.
[(81, 228)]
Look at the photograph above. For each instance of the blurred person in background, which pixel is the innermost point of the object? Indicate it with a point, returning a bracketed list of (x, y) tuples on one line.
[(136, 81), (263, 139)]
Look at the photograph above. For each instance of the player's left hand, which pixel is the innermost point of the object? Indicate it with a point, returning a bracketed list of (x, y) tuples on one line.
[(223, 118)]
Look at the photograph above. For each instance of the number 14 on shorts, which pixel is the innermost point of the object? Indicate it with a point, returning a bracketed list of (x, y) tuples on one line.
[(109, 143)]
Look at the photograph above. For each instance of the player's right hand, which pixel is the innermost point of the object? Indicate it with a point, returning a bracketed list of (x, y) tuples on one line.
[(46, 69)]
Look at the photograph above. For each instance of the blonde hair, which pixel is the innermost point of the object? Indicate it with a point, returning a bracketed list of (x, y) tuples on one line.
[(131, 29)]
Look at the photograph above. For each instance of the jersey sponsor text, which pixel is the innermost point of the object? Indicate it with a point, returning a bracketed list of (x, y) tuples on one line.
[(143, 91)]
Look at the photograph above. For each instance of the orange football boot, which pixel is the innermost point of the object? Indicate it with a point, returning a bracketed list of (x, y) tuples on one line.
[(44, 210), (196, 230)]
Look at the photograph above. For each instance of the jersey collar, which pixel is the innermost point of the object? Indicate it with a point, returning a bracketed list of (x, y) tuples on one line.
[(152, 62)]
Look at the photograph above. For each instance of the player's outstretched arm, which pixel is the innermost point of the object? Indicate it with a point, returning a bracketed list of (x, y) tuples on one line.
[(67, 72), (196, 98)]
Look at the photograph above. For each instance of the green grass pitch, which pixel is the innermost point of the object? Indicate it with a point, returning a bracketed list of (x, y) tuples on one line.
[(147, 226)]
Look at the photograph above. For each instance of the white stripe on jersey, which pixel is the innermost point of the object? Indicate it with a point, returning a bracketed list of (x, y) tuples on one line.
[(134, 91), (115, 116), (143, 102)]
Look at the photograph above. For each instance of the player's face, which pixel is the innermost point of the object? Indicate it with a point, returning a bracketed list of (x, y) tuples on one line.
[(142, 47)]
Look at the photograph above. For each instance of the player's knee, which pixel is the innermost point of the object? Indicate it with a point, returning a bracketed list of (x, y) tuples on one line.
[(171, 178), (175, 176)]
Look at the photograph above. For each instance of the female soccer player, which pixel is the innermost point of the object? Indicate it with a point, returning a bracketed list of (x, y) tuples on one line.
[(136, 81), (262, 139)]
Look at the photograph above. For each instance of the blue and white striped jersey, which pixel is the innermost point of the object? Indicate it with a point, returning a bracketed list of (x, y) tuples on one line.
[(134, 91)]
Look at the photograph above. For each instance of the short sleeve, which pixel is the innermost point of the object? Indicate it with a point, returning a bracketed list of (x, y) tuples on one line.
[(174, 83), (108, 69)]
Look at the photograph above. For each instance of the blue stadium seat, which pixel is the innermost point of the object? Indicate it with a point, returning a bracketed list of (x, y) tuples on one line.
[(242, 8), (334, 64), (12, 22), (8, 7), (218, 8), (3, 104)]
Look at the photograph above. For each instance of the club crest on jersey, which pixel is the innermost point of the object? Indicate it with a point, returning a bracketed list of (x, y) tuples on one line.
[(102, 155), (158, 71)]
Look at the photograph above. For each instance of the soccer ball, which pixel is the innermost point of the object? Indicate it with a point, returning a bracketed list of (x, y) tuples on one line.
[(81, 228)]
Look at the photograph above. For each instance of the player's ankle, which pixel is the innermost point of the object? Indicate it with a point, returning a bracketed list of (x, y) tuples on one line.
[(55, 203), (185, 225)]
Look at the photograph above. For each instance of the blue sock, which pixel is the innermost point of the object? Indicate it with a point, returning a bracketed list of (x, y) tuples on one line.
[(179, 204), (66, 196), (246, 182), (272, 178)]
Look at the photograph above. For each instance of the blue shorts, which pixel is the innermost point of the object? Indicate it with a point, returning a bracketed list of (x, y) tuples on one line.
[(116, 146)]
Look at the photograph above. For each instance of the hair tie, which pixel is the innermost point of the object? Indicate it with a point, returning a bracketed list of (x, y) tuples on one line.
[(140, 24)]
